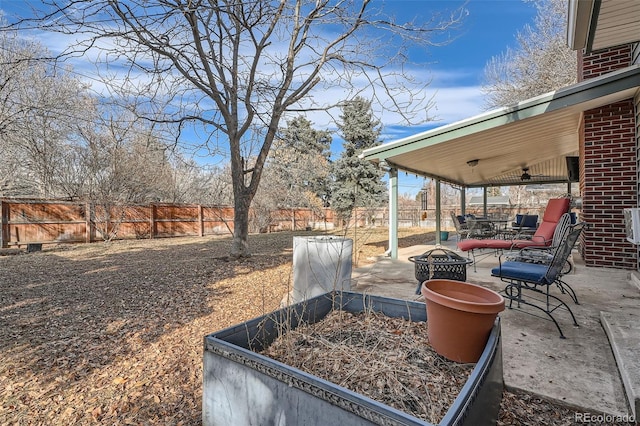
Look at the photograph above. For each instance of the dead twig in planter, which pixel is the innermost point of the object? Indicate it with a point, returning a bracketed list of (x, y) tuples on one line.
[(386, 359)]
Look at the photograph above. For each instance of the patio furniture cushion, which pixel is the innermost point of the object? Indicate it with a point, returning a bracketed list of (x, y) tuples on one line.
[(556, 207), (531, 272), (529, 220), (498, 244), (518, 220), (479, 243), (544, 232)]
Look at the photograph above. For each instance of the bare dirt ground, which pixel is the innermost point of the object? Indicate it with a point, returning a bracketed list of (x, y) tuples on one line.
[(112, 333)]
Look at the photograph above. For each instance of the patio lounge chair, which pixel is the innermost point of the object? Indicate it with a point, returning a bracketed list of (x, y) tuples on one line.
[(543, 237), (537, 278)]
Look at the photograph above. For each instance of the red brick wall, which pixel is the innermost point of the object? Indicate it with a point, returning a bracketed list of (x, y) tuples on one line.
[(604, 62), (610, 167)]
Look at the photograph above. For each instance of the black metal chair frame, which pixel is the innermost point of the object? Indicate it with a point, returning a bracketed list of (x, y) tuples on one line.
[(544, 255), (481, 228), (548, 303), (561, 227), (462, 229)]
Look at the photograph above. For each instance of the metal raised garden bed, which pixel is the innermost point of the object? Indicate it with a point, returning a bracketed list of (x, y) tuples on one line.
[(241, 386)]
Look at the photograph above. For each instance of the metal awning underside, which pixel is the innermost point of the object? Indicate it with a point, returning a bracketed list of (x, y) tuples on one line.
[(537, 133), (598, 24)]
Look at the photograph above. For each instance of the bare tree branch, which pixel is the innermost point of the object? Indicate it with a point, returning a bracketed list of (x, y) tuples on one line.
[(237, 67), (540, 63)]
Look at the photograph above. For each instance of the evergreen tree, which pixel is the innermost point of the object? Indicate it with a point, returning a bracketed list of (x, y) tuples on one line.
[(314, 146), (357, 182), (300, 160)]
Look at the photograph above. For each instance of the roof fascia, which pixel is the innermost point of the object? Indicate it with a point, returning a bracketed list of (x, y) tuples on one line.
[(579, 20), (595, 13)]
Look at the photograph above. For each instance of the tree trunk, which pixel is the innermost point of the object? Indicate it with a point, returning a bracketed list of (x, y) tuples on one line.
[(240, 244), (242, 196)]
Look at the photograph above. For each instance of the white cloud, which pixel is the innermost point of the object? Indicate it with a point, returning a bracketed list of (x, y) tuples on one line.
[(457, 103), (453, 97)]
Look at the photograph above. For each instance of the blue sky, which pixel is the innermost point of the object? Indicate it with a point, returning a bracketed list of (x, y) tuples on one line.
[(456, 69)]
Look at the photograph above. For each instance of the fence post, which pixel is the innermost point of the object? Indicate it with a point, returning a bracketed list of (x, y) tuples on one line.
[(4, 229), (293, 219), (200, 221), (88, 228), (152, 221)]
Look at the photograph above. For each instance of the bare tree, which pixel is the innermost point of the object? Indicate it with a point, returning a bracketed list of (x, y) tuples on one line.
[(72, 174), (188, 181), (237, 67), (217, 186), (40, 103), (57, 101), (16, 57), (123, 164), (540, 63)]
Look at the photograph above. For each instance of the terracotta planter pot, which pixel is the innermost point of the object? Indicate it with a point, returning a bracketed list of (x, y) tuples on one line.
[(460, 317)]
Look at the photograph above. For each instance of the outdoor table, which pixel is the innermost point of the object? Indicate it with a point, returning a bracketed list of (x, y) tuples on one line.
[(498, 225)]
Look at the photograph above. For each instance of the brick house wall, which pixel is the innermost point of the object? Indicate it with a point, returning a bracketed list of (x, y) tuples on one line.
[(609, 168), (637, 148), (604, 62)]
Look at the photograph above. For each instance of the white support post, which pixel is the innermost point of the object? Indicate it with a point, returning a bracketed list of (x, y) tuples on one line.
[(438, 212), (393, 214)]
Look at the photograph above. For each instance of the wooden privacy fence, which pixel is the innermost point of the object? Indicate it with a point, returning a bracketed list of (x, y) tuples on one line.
[(27, 222)]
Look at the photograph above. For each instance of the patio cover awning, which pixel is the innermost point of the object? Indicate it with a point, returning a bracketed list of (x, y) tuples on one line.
[(491, 149)]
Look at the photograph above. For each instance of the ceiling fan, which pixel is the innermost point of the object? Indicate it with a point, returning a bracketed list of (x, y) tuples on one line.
[(526, 176)]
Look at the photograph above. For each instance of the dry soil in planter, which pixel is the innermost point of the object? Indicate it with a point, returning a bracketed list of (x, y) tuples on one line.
[(386, 359)]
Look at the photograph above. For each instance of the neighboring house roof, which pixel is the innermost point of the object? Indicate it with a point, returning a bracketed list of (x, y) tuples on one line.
[(491, 201), (598, 24), (491, 149)]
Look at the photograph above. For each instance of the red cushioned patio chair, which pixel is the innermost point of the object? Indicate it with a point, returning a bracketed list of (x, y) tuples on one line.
[(543, 237)]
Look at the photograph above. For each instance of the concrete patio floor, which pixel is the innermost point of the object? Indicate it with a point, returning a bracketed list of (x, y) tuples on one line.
[(581, 370)]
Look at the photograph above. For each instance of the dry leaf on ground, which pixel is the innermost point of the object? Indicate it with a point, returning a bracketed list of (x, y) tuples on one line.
[(113, 333)]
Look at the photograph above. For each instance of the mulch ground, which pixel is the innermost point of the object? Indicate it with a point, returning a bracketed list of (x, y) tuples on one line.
[(111, 333)]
